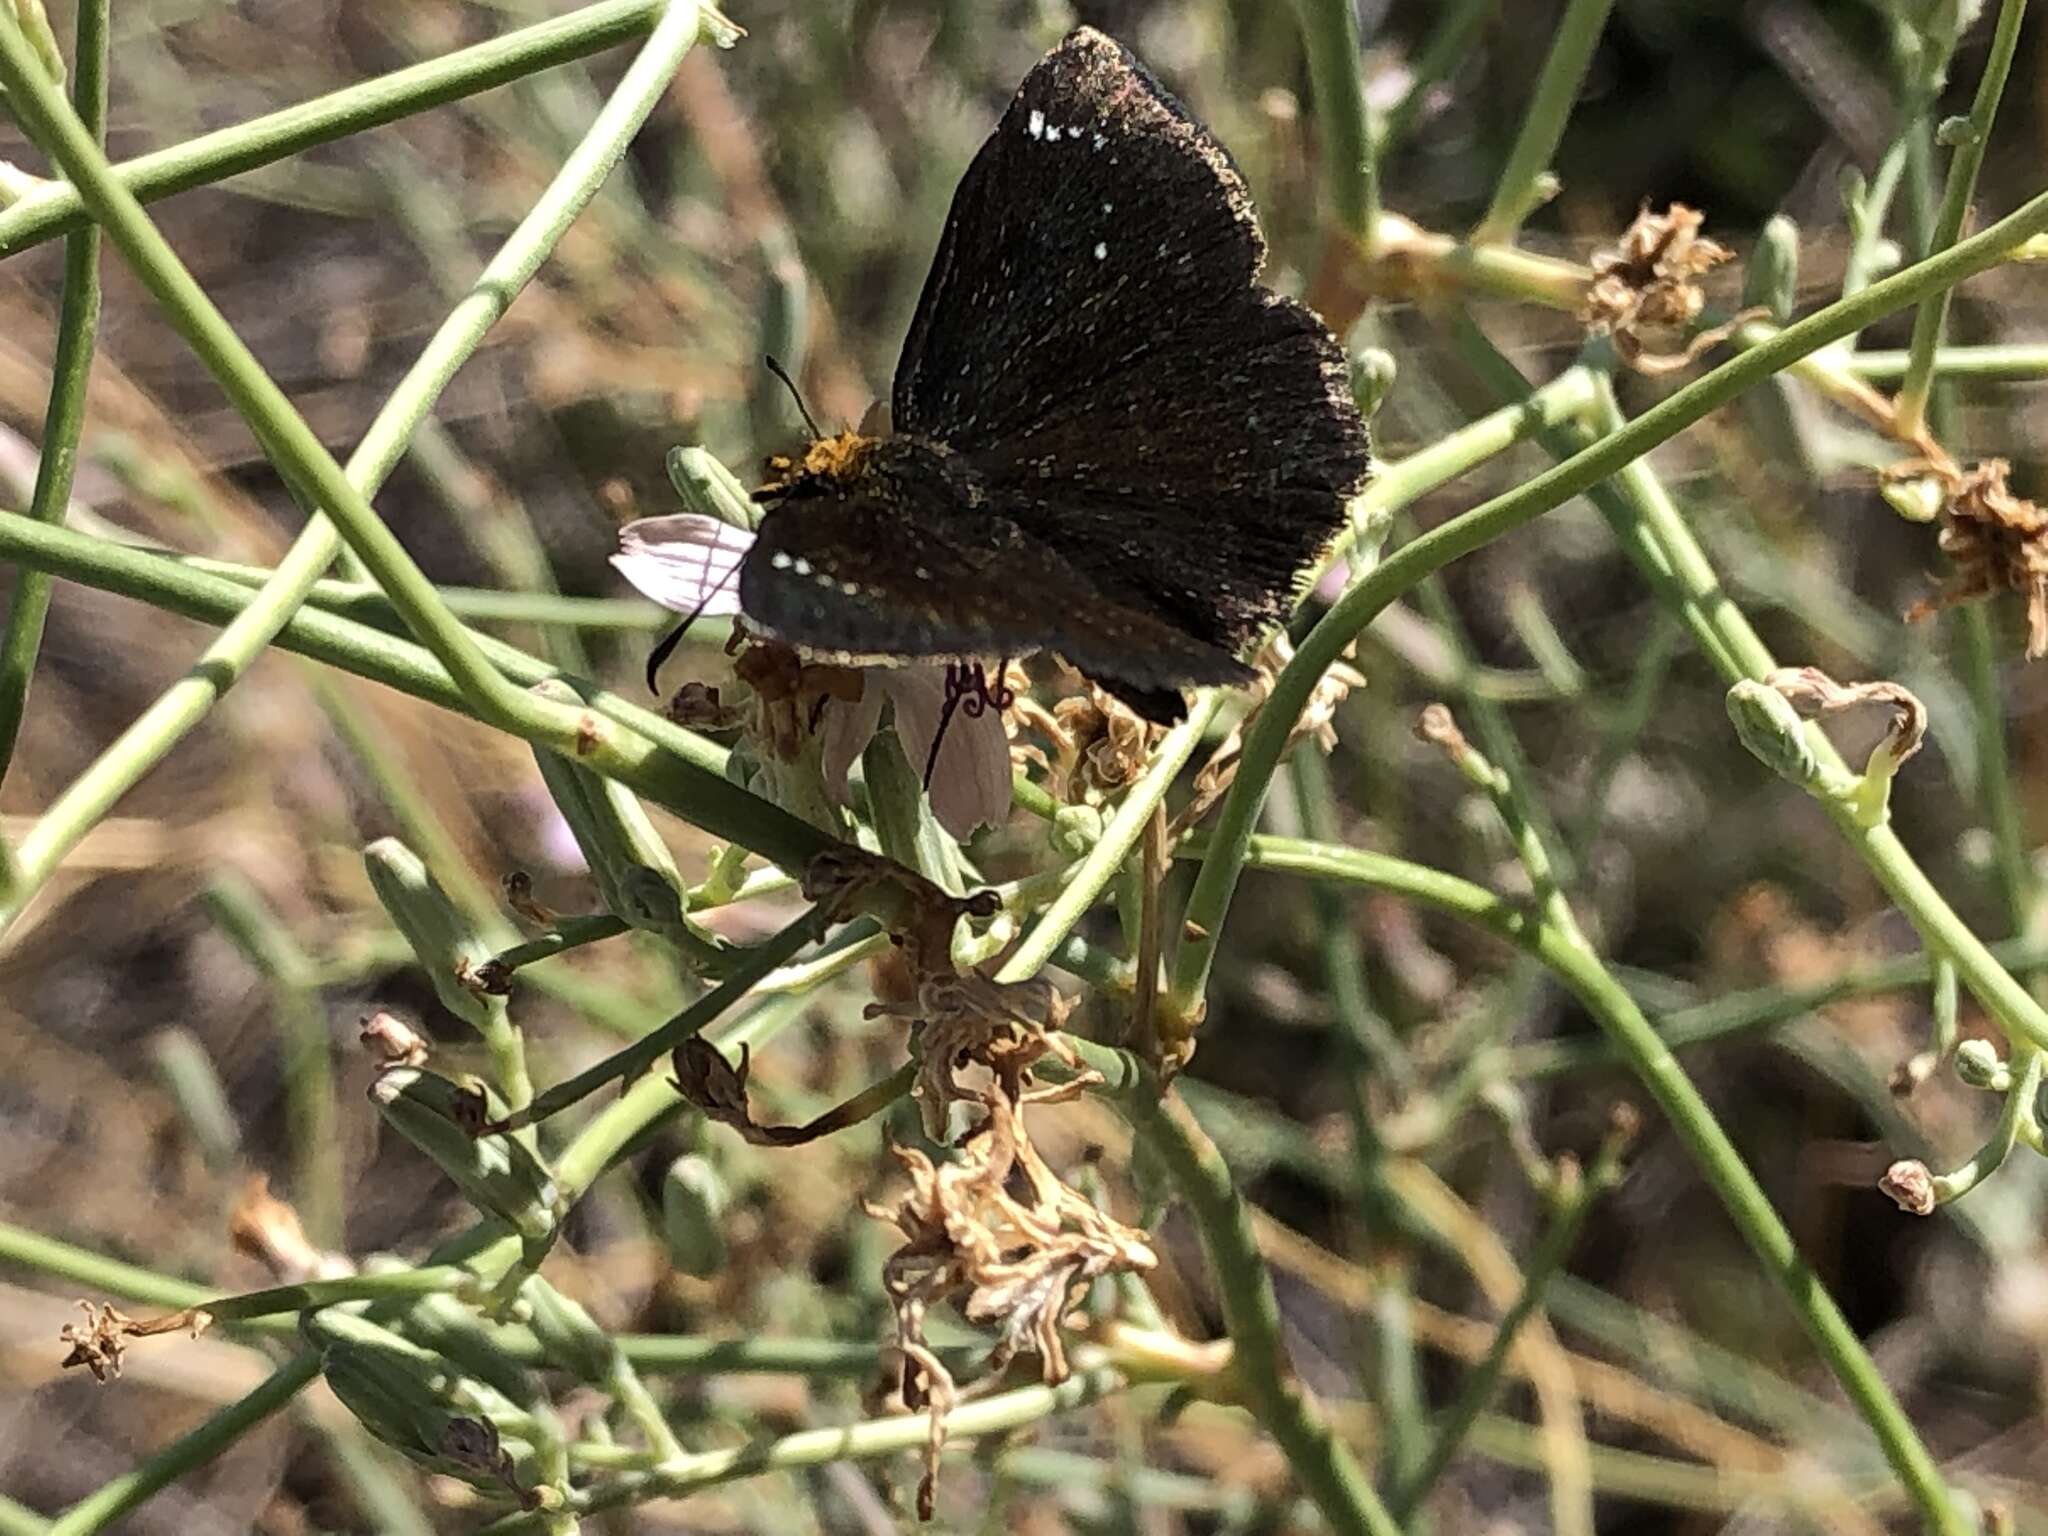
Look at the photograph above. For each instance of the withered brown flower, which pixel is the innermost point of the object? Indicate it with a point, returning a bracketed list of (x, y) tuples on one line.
[(1647, 282), (100, 1345), (1997, 541), (997, 1234)]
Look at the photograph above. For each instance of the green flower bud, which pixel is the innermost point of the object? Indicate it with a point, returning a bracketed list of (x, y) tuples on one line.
[(1075, 829), (1918, 498), (497, 1173), (693, 1199), (1372, 378), (1977, 1064), (447, 946), (1773, 276), (706, 486), (1774, 734)]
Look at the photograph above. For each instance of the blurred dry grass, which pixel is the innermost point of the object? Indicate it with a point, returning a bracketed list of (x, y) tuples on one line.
[(830, 142)]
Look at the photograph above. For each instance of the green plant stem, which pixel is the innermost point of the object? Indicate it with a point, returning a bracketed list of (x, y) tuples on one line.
[(1329, 35), (1995, 779), (54, 208), (20, 1520), (303, 461), (1570, 1203), (814, 1447), (1518, 193), (1964, 162), (633, 1060), (1574, 962), (1743, 654), (78, 324), (2012, 363), (1325, 643), (1326, 1469), (2015, 1114), (654, 757), (116, 1498), (1093, 874)]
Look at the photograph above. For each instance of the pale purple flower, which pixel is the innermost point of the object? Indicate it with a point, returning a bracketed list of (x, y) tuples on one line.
[(690, 563), (685, 562)]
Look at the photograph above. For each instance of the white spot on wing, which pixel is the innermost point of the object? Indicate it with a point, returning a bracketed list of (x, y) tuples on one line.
[(1036, 126), (780, 559), (1101, 250)]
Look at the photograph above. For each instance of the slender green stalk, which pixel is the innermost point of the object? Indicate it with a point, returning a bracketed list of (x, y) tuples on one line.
[(1579, 968), (20, 1520), (654, 757), (113, 1500), (1326, 1469), (1092, 875), (1521, 189), (1329, 35), (54, 208), (633, 1060), (78, 323), (2014, 1116), (2013, 363), (1932, 316), (1398, 572), (814, 1447), (1996, 784), (301, 458)]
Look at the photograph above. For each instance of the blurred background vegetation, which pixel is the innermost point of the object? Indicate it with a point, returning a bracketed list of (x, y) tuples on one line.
[(786, 198)]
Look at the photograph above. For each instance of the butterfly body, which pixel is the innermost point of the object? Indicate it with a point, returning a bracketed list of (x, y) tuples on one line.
[(1110, 441)]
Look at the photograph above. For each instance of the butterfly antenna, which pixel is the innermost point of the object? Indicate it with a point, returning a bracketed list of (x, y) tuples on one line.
[(795, 394), (666, 646)]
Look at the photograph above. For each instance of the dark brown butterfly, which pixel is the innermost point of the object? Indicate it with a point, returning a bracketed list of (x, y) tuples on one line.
[(1109, 441)]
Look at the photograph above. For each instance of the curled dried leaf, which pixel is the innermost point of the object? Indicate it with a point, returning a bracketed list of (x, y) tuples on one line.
[(1813, 693)]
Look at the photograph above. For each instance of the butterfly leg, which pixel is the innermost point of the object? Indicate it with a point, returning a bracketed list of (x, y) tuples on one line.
[(957, 684)]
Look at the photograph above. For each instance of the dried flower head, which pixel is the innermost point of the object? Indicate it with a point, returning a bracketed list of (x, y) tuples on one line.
[(391, 1040), (998, 1235), (1911, 1187), (1998, 542), (967, 1020), (101, 1343), (1647, 282)]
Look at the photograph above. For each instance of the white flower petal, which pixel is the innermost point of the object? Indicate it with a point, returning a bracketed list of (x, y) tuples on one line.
[(684, 561), (846, 731), (970, 783)]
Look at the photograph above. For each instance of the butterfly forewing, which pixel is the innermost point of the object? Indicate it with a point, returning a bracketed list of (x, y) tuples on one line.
[(1092, 339), (862, 578), (1097, 217)]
